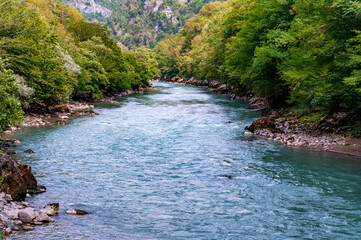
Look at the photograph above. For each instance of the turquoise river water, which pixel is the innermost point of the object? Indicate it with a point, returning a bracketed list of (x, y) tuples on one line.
[(151, 168)]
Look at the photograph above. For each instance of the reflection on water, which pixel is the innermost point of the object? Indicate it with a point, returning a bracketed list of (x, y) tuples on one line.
[(152, 168)]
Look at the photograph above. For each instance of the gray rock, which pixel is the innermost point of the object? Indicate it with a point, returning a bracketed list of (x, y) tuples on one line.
[(43, 217), (7, 197), (18, 222), (8, 231), (28, 228), (11, 212), (27, 215)]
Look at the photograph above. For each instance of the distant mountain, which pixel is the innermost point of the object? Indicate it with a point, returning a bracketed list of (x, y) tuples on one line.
[(139, 22)]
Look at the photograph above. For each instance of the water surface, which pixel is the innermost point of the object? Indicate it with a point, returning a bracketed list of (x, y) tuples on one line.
[(151, 168)]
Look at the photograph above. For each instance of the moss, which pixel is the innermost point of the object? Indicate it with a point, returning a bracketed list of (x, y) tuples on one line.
[(313, 118)]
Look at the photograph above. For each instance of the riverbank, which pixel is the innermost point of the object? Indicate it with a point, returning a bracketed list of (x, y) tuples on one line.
[(17, 182), (279, 125), (39, 116)]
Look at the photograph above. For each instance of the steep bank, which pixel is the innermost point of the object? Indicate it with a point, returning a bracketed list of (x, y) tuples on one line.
[(17, 182), (329, 133)]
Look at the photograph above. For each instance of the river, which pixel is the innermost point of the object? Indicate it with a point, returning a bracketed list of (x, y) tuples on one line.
[(152, 168)]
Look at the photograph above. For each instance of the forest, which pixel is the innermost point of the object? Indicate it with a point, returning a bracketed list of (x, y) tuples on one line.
[(50, 54), (300, 54), (135, 22)]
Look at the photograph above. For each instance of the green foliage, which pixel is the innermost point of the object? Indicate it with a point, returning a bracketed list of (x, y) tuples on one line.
[(52, 54), (11, 111), (301, 53), (356, 131), (144, 23)]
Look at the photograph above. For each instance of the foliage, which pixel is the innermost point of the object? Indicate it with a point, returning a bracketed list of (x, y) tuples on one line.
[(10, 106), (144, 23), (299, 53), (52, 55)]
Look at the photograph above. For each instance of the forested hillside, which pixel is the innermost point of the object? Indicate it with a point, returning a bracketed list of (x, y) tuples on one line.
[(136, 22), (50, 54), (303, 54)]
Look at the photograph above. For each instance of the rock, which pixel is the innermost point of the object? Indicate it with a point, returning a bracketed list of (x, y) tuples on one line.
[(247, 133), (227, 176), (61, 108), (260, 123), (25, 204), (27, 215), (43, 217), (11, 212), (17, 142), (8, 231), (28, 228), (39, 189), (28, 195), (29, 151), (51, 209), (6, 197), (17, 178), (18, 222), (76, 211)]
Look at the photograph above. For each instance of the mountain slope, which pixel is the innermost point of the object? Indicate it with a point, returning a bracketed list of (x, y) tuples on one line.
[(139, 22)]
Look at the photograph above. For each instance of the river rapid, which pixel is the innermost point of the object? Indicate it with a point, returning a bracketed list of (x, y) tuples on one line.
[(152, 168)]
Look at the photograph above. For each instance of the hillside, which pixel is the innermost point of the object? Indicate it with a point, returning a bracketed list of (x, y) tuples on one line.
[(139, 22), (301, 55), (49, 54)]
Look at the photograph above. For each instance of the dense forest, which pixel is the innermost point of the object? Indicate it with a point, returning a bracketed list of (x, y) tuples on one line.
[(49, 54), (135, 22), (298, 53)]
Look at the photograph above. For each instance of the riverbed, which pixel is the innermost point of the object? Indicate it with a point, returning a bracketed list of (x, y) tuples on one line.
[(154, 166)]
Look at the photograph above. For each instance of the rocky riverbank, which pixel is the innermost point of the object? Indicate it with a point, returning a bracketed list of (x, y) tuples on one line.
[(38, 116), (17, 182), (229, 91), (326, 134)]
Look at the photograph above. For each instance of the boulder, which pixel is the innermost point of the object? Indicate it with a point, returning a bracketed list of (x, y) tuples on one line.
[(27, 215), (76, 211), (43, 217), (38, 189), (12, 213), (261, 123), (60, 108), (17, 178), (51, 209)]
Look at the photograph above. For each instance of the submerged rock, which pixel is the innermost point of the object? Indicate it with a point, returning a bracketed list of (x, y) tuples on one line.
[(227, 176), (29, 151), (76, 211), (28, 228)]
